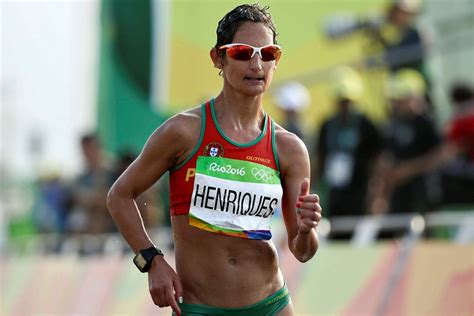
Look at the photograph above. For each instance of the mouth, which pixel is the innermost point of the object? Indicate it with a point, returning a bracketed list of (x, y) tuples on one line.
[(255, 79)]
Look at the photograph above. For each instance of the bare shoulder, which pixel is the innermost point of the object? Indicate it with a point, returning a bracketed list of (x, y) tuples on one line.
[(182, 125), (288, 143), (177, 136), (291, 149)]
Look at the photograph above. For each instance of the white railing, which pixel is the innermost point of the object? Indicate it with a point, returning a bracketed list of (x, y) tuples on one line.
[(364, 229)]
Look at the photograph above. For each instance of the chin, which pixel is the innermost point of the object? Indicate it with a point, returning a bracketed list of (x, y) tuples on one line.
[(250, 91), (254, 91)]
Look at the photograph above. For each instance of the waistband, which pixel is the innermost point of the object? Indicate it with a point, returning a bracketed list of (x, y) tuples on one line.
[(268, 306)]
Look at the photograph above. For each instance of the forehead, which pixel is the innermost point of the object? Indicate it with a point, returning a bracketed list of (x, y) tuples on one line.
[(254, 33)]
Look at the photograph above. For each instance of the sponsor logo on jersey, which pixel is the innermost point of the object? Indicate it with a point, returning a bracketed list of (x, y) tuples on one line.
[(190, 173), (258, 159)]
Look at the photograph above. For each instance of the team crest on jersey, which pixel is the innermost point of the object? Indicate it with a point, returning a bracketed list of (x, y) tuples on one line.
[(214, 150)]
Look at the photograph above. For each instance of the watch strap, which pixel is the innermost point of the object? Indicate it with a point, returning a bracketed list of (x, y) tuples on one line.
[(144, 258)]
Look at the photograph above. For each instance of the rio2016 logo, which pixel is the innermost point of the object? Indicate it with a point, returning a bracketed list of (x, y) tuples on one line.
[(227, 169)]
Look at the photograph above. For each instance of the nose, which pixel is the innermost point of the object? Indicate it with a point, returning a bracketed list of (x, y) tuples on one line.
[(256, 62)]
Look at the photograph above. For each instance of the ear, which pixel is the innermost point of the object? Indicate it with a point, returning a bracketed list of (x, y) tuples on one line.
[(216, 58)]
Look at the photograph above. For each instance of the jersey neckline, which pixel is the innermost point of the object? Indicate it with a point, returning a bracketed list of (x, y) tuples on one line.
[(230, 140)]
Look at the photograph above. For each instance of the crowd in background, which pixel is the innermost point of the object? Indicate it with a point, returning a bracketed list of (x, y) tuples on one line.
[(78, 207), (406, 164)]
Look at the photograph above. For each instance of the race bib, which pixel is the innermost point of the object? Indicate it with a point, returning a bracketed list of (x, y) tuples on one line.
[(234, 197)]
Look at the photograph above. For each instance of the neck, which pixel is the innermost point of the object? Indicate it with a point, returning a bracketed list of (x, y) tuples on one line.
[(240, 118), (240, 111)]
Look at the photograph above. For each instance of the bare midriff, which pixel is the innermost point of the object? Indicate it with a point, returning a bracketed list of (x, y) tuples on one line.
[(224, 271)]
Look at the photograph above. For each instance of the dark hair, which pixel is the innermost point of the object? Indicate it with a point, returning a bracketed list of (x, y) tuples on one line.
[(231, 22), (461, 93)]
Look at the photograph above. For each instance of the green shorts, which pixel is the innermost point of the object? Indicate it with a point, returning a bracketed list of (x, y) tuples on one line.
[(268, 306)]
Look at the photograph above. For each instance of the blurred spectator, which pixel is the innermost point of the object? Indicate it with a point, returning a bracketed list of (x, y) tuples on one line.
[(52, 207), (413, 143), (461, 127), (292, 98), (147, 202), (404, 47), (402, 42), (458, 175), (89, 191), (347, 146), (394, 31)]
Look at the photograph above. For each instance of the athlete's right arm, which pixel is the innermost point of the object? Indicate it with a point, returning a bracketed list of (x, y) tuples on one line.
[(165, 148)]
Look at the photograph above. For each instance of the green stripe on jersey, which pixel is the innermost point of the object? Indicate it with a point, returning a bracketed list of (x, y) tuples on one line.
[(236, 170)]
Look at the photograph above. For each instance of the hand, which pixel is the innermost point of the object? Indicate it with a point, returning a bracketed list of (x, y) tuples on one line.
[(163, 282), (308, 208)]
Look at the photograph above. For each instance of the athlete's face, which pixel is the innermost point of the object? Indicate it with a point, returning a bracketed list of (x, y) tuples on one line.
[(251, 77)]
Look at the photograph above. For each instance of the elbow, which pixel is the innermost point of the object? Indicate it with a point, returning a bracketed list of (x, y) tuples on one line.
[(111, 200), (305, 257), (118, 197), (304, 251)]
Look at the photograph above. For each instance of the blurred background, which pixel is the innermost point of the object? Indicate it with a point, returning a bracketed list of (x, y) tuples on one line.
[(381, 92)]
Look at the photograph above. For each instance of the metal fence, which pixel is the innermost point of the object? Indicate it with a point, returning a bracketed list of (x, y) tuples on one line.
[(455, 226)]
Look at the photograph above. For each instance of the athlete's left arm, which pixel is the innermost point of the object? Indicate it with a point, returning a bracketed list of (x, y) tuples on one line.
[(301, 209)]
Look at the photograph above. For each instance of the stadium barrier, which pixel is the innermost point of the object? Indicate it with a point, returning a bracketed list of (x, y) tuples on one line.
[(386, 278), (453, 225)]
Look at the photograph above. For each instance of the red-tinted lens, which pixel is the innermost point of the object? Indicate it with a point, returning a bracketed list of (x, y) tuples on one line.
[(270, 53), (240, 52)]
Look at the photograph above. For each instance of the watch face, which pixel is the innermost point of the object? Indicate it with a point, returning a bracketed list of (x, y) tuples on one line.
[(140, 261)]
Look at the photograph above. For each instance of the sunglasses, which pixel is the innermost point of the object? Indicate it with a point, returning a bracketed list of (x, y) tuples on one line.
[(246, 52)]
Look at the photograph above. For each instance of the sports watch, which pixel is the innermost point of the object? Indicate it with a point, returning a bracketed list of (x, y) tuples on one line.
[(144, 257)]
